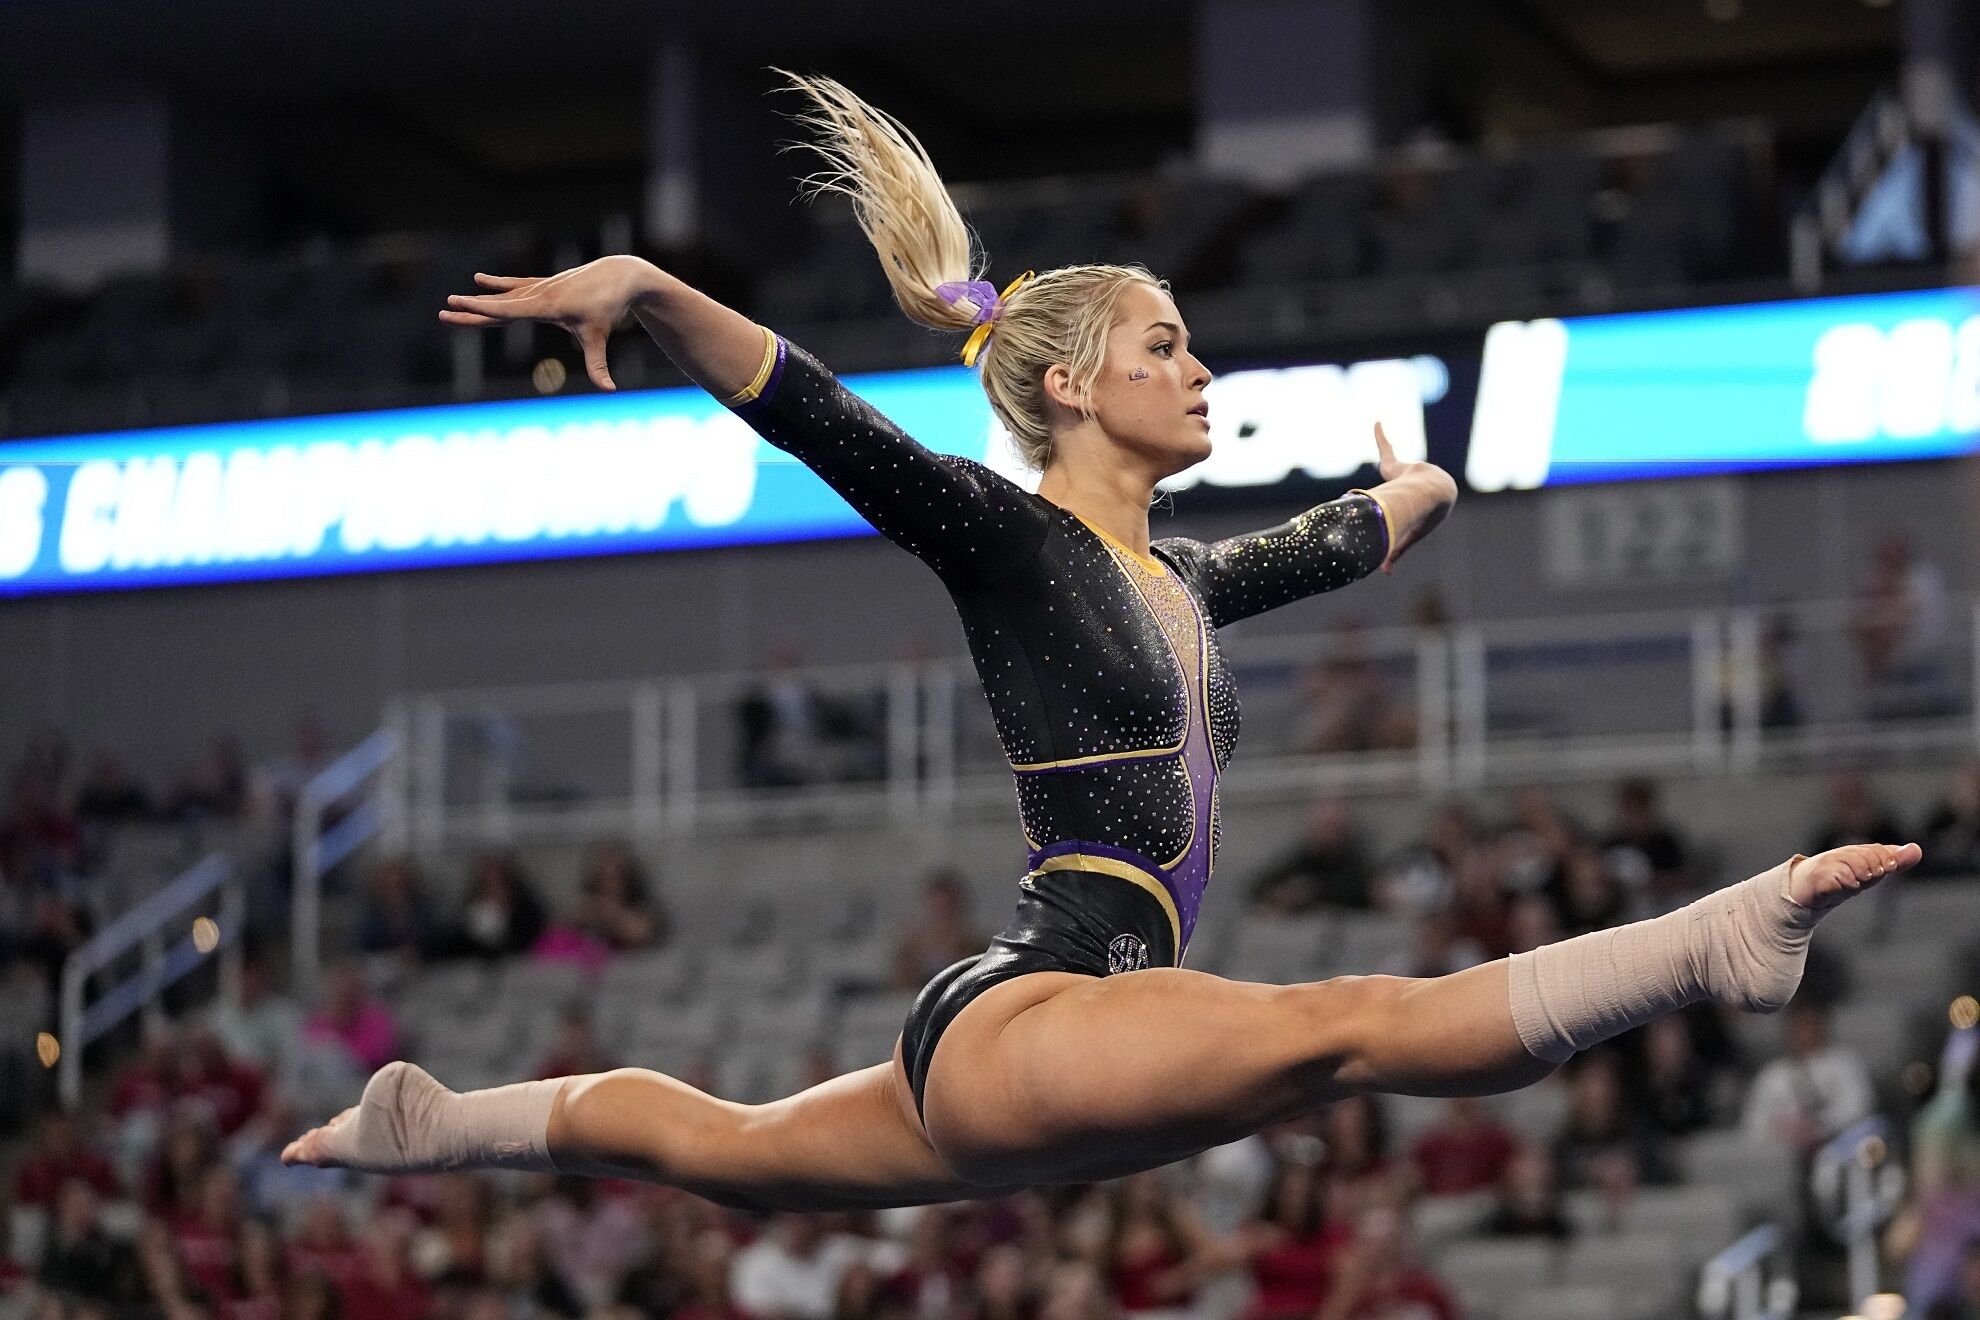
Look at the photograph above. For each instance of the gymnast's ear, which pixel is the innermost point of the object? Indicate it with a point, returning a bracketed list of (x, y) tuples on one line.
[(1059, 388)]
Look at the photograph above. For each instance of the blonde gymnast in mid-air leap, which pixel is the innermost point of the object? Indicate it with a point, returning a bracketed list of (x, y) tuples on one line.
[(1076, 1048)]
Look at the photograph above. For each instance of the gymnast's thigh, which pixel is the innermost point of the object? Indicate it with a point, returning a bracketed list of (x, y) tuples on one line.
[(1059, 1077)]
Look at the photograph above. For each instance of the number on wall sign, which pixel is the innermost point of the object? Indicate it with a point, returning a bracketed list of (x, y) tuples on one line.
[(1659, 532)]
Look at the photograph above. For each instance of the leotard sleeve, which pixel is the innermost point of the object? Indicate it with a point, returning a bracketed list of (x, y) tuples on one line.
[(1328, 546), (956, 515)]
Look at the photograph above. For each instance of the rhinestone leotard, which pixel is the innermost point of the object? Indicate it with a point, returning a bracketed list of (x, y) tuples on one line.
[(1100, 665)]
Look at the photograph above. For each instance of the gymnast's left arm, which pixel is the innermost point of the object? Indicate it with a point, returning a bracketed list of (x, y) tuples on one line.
[(1326, 547)]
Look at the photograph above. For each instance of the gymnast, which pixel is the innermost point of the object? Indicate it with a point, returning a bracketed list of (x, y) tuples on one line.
[(1077, 1047)]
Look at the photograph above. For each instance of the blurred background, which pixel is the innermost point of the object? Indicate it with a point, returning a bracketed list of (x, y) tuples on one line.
[(370, 689)]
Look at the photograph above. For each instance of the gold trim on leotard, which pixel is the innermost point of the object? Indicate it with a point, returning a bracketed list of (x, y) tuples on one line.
[(749, 392), (1149, 562), (1120, 870)]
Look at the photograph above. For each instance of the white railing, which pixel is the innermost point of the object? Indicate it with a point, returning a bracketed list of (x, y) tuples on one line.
[(1734, 1284), (1701, 692), (1859, 1187), (211, 887), (356, 798)]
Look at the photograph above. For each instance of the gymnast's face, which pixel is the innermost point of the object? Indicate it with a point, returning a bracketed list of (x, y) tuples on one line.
[(1148, 398)]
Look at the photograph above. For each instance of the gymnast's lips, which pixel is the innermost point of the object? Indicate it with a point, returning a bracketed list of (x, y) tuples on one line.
[(1202, 410)]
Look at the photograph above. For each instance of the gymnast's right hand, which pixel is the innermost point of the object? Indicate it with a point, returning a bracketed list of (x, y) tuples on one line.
[(589, 301)]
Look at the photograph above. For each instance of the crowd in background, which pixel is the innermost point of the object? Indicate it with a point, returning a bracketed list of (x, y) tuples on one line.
[(169, 1198)]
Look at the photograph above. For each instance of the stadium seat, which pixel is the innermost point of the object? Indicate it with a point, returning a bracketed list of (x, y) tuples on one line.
[(1489, 1274)]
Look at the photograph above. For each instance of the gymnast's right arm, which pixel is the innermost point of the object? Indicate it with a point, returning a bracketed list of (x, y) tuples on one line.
[(964, 521)]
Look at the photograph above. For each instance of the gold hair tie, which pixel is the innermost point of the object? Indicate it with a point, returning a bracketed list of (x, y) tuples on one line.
[(987, 319)]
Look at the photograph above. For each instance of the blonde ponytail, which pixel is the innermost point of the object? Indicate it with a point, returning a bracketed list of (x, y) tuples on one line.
[(1061, 317), (897, 197)]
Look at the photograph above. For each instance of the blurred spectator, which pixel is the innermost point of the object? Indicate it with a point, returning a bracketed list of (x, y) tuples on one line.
[(1153, 1245), (1903, 624), (323, 1246), (1354, 1132), (14, 1274), (576, 1050), (189, 1148), (793, 1271), (1603, 1144), (257, 1025), (207, 1240), (81, 1260), (1327, 867), (594, 1233), (201, 1073), (279, 781), (614, 912), (40, 838), (1002, 1288), (1952, 832), (310, 1297), (56, 927), (1855, 815), (1776, 680), (1530, 923), (1424, 879), (1815, 1091), (1436, 949), (1479, 908), (1539, 845), (1074, 1290), (396, 918), (940, 934), (269, 1186), (109, 795), (1944, 1209), (501, 915), (259, 1280), (1667, 1079), (1292, 1246), (1530, 1198), (1466, 1151), (1380, 1277), (1589, 897), (453, 1248), (1965, 1303), (779, 723), (352, 1017), (141, 1085), (1643, 850), (387, 1287), (518, 1269), (1348, 706), (216, 788), (62, 1152)]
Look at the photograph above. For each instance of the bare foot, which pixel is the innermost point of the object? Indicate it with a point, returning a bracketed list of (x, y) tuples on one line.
[(309, 1147), (1826, 879)]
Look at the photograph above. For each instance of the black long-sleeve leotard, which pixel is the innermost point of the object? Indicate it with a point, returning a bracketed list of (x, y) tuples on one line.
[(1101, 666)]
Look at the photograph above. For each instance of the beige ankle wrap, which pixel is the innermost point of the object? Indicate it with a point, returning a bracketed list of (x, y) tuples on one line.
[(1744, 945), (409, 1123)]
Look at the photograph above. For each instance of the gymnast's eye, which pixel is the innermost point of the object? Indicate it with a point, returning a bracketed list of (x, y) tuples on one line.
[(1165, 348)]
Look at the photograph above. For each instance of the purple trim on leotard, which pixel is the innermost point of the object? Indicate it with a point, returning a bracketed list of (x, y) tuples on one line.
[(1190, 876)]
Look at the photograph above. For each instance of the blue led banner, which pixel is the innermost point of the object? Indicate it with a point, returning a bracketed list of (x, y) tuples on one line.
[(1717, 389), (1841, 380), (585, 475)]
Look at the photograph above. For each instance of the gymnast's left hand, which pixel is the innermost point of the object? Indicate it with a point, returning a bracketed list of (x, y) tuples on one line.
[(1415, 496), (589, 301)]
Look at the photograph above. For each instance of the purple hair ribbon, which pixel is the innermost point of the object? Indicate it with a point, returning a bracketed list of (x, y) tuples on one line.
[(977, 296)]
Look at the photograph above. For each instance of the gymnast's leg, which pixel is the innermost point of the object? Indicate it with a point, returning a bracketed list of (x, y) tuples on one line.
[(1055, 1077), (849, 1143)]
